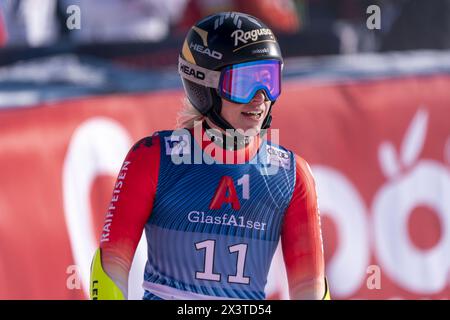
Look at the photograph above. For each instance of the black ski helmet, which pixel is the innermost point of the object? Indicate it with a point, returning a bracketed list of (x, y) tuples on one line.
[(220, 40)]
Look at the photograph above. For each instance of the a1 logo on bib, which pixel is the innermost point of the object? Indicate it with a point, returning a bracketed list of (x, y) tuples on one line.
[(177, 145)]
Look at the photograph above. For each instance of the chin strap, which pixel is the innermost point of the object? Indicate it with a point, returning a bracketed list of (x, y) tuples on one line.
[(268, 120), (239, 141), (214, 113)]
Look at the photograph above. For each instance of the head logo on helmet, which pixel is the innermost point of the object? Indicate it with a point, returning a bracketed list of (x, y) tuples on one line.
[(216, 42), (192, 72), (203, 48)]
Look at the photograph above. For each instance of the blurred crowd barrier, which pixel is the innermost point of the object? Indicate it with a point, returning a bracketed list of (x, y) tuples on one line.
[(341, 26), (374, 127)]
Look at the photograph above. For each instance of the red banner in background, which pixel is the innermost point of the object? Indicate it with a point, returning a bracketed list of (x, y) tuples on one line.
[(380, 154), (379, 150)]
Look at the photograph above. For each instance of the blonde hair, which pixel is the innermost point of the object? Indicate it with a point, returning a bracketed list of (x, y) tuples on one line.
[(188, 115)]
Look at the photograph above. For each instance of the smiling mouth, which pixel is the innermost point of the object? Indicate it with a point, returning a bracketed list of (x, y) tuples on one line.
[(256, 115)]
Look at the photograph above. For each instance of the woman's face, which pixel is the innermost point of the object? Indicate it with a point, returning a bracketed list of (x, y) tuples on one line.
[(246, 117)]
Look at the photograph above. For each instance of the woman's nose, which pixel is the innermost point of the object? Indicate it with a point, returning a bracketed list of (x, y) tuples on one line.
[(259, 97)]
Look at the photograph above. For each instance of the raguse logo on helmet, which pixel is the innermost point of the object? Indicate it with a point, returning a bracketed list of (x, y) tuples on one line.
[(253, 35)]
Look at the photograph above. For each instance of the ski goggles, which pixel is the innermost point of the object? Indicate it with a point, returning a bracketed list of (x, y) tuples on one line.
[(238, 83)]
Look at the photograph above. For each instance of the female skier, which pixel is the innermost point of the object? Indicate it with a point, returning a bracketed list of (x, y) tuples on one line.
[(216, 196)]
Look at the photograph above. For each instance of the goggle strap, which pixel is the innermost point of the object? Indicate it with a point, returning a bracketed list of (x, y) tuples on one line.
[(197, 74)]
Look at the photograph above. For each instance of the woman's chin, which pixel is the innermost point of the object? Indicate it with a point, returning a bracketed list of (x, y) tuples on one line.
[(249, 131)]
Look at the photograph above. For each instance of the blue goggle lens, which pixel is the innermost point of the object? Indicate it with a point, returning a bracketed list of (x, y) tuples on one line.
[(240, 82)]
